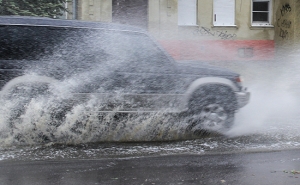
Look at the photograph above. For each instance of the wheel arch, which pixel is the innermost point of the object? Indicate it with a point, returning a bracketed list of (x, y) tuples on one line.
[(27, 79), (197, 84)]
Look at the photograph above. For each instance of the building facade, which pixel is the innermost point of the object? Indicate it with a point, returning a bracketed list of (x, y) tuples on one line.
[(201, 29), (215, 29)]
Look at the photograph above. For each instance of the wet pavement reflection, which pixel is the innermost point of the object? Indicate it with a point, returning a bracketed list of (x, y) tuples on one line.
[(209, 145)]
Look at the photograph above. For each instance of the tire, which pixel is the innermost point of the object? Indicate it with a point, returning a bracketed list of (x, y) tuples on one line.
[(212, 108)]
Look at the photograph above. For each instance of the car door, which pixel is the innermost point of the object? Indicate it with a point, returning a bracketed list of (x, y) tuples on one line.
[(147, 76)]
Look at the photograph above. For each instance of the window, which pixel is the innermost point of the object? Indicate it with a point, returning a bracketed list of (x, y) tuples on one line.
[(261, 12), (224, 13), (187, 12)]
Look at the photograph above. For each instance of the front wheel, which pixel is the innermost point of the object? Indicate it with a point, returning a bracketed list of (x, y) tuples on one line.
[(211, 108)]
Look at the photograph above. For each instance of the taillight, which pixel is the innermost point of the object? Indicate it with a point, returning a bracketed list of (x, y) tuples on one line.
[(239, 79)]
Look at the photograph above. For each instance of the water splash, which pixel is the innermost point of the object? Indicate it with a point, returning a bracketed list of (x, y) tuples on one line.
[(60, 117)]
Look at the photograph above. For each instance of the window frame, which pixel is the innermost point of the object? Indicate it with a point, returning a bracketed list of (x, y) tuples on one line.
[(196, 15), (270, 14)]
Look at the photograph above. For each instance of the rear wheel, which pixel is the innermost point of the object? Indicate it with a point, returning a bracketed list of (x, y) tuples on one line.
[(212, 108), (18, 98), (22, 94)]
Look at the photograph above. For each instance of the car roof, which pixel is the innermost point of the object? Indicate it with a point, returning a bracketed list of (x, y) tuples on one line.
[(44, 21)]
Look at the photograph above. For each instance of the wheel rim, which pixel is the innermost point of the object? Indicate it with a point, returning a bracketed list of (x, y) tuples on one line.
[(213, 116)]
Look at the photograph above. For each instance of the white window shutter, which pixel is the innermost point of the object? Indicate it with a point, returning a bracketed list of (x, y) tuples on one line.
[(224, 13), (187, 12)]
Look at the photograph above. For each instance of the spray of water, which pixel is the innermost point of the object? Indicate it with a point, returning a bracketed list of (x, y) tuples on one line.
[(85, 60), (59, 116), (274, 106)]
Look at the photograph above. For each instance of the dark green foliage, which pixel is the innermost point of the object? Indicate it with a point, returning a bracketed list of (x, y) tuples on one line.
[(43, 8)]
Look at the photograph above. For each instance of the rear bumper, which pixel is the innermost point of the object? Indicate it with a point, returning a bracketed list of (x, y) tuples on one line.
[(243, 98)]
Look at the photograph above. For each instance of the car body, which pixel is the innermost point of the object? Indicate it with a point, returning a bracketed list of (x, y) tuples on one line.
[(108, 61)]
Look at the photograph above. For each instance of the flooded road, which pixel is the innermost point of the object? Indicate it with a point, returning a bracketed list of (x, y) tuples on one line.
[(240, 168), (268, 141)]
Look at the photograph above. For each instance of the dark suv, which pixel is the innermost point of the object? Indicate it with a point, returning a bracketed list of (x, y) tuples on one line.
[(110, 61)]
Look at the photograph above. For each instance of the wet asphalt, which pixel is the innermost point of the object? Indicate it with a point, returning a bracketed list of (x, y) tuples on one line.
[(261, 168)]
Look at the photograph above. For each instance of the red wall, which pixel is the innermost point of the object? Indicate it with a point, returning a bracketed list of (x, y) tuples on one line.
[(220, 49)]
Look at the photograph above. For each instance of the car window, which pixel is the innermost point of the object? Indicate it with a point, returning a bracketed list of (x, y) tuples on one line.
[(81, 48), (129, 51)]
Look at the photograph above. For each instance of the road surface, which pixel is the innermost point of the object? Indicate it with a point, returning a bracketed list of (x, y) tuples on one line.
[(262, 168)]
